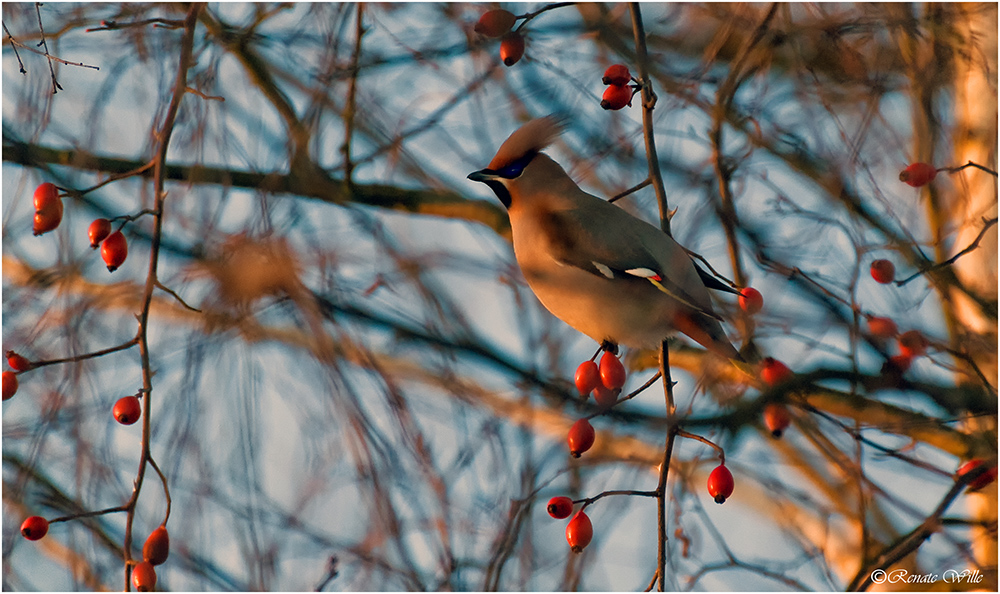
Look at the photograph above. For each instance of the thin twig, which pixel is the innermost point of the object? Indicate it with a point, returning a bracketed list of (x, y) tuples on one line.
[(530, 15), (17, 44), (195, 91), (969, 164), (166, 489), (634, 188), (176, 296), (350, 111), (588, 500), (55, 83), (972, 246), (14, 45), (90, 514), (652, 582), (137, 171), (85, 356), (157, 22)]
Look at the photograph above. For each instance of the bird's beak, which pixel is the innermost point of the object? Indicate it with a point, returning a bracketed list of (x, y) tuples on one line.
[(483, 175), (495, 182)]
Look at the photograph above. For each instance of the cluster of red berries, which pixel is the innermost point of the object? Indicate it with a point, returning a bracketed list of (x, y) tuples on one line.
[(154, 551), (776, 415), (605, 382), (579, 530), (48, 208), (48, 215), (10, 384), (114, 248), (498, 23), (619, 93), (918, 174)]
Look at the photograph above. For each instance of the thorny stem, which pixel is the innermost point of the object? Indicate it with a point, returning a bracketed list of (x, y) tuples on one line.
[(159, 176), (656, 179)]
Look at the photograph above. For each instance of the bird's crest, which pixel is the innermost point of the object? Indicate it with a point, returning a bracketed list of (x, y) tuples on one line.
[(529, 138)]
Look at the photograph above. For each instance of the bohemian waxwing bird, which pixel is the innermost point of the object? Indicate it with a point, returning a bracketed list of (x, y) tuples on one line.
[(613, 277)]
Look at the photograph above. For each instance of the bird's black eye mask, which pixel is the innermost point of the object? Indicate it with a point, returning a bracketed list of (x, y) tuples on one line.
[(492, 177)]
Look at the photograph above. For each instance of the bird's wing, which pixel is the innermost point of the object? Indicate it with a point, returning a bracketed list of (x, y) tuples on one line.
[(607, 241)]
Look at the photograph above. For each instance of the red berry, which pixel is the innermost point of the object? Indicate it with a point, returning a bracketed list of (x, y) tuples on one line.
[(883, 271), (511, 48), (144, 577), (617, 74), (720, 484), (560, 507), (47, 220), (912, 344), (579, 532), (35, 528), (751, 301), (882, 327), (616, 97), (48, 208), (157, 546), (98, 232), (17, 362), (918, 174), (47, 197), (776, 418), (896, 365), (580, 438), (604, 397), (127, 410), (114, 250), (587, 377), (982, 480), (612, 372), (495, 23), (9, 385), (774, 372)]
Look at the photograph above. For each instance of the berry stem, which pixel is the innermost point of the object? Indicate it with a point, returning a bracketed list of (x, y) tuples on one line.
[(704, 440), (586, 501), (969, 164), (166, 489), (530, 15), (85, 356)]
